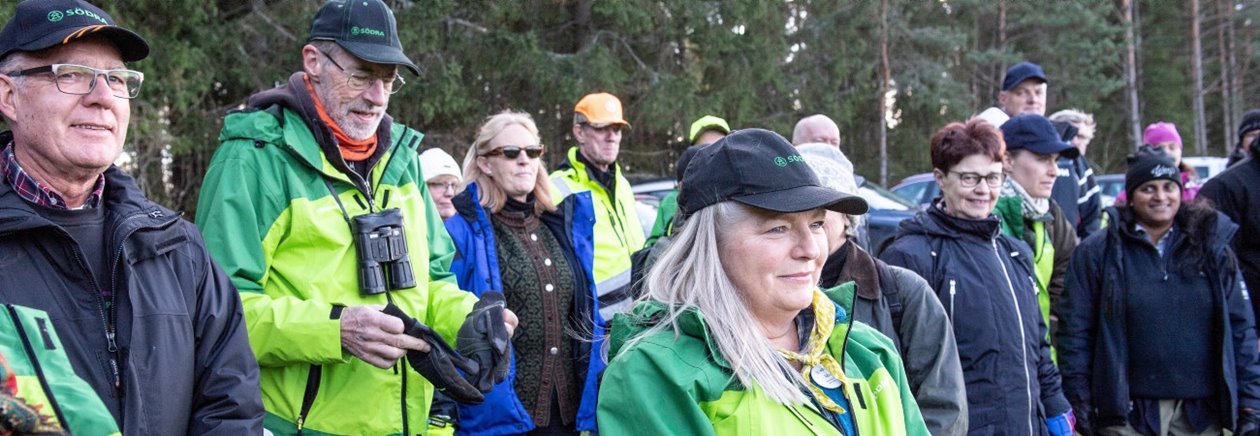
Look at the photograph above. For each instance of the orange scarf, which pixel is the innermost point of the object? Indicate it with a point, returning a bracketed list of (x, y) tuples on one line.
[(351, 149)]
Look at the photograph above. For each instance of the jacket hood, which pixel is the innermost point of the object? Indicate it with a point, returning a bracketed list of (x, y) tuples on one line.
[(935, 222)]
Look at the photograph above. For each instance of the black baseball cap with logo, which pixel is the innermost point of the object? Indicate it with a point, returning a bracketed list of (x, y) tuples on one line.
[(758, 168), (41, 24), (365, 28)]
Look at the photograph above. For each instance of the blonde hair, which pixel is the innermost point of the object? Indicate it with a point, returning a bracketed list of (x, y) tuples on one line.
[(690, 276), (492, 196), (1074, 117)]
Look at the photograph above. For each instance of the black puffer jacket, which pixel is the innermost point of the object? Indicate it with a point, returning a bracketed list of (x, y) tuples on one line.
[(1093, 350), (180, 349), (985, 281), (1236, 193)]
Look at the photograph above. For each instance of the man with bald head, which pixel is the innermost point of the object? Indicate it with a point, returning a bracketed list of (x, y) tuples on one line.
[(816, 128)]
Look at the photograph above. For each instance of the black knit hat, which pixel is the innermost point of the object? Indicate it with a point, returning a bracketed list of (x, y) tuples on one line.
[(1149, 163), (1250, 121), (758, 168)]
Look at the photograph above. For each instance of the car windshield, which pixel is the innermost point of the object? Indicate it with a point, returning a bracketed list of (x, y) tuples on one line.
[(880, 198)]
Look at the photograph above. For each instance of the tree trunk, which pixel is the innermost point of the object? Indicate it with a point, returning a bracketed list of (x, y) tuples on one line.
[(1227, 97), (1130, 69), (884, 79), (1196, 72)]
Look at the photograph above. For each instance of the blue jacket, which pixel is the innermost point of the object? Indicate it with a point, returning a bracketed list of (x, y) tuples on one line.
[(985, 281), (1092, 345), (476, 268)]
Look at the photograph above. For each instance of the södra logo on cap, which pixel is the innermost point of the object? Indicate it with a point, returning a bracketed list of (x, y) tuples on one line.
[(356, 30), (56, 16), (783, 161)]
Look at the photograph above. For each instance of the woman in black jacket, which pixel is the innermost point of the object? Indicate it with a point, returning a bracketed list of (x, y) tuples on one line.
[(1157, 333), (985, 281)]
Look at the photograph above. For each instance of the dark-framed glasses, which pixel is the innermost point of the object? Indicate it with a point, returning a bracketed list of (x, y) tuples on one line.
[(81, 80), (360, 81), (514, 151), (970, 180)]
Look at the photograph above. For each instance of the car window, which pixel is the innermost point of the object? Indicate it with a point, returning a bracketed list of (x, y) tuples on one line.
[(880, 198), (912, 191)]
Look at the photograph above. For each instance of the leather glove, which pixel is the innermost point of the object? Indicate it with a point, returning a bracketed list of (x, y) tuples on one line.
[(1248, 423), (484, 339), (440, 363), (1061, 425)]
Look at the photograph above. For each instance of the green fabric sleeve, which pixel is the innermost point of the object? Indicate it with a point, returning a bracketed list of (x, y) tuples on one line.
[(646, 392)]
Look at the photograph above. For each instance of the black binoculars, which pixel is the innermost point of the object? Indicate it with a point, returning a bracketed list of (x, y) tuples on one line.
[(381, 243)]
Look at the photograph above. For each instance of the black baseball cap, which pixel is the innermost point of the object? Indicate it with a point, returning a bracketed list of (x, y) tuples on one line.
[(365, 28), (1021, 72), (758, 168), (1036, 133), (41, 24)]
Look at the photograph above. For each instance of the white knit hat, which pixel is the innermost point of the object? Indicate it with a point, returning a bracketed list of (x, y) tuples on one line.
[(435, 162)]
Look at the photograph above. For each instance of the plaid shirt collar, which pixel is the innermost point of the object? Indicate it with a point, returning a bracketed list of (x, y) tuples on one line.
[(36, 193)]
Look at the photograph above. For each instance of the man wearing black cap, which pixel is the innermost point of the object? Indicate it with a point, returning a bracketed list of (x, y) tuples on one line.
[(306, 182), (1028, 213), (1248, 131), (144, 314), (1234, 193)]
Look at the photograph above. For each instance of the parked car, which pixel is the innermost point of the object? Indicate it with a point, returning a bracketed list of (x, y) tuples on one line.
[(1109, 186), (887, 209), (919, 189), (1206, 166)]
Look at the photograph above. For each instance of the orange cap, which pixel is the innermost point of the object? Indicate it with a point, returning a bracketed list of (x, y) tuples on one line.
[(599, 110)]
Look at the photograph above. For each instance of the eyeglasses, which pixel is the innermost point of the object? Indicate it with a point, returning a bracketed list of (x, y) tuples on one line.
[(970, 180), (611, 128), (442, 187), (80, 80), (359, 81), (514, 151)]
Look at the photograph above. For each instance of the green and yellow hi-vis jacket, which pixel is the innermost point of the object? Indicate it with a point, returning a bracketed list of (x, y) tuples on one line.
[(668, 385), (270, 221)]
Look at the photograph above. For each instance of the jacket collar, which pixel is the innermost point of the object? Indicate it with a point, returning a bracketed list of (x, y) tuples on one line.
[(122, 199)]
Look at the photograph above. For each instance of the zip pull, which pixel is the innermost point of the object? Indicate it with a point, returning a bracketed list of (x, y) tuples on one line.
[(109, 336)]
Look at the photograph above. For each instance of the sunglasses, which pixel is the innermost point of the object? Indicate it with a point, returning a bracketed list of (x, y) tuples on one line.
[(514, 151)]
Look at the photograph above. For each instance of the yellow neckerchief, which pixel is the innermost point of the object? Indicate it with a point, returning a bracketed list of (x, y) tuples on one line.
[(815, 354)]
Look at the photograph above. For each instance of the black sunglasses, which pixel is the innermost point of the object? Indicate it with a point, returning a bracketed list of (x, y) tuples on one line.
[(513, 151)]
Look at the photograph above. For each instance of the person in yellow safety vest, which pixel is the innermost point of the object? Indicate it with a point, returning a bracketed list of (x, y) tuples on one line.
[(592, 166), (1026, 209)]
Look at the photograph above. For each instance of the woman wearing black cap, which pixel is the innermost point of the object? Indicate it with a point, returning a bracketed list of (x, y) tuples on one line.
[(733, 335), (985, 281), (1157, 334)]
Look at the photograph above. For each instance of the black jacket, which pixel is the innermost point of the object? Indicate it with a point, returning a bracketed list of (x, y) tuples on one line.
[(985, 281), (180, 350), (1236, 193), (1092, 342), (1077, 192)]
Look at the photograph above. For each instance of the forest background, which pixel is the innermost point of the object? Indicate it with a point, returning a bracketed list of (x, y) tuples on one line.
[(890, 72)]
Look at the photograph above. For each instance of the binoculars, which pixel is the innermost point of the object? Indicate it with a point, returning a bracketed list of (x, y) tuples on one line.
[(381, 243)]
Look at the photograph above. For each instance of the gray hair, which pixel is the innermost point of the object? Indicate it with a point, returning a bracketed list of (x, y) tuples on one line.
[(689, 276), (835, 171)]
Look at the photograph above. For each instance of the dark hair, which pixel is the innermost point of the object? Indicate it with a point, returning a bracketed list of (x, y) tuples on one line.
[(954, 142), (1197, 219)]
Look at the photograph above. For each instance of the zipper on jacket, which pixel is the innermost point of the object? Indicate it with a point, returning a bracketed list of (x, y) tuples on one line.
[(402, 365), (1019, 319), (308, 395), (952, 292), (107, 319)]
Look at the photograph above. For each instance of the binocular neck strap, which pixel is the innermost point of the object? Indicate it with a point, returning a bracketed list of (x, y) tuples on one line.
[(337, 198)]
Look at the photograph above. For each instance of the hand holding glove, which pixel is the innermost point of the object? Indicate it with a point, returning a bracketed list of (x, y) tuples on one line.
[(484, 339), (440, 363)]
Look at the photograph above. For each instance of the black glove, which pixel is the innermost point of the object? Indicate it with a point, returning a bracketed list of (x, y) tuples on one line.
[(439, 364), (484, 339), (1248, 423)]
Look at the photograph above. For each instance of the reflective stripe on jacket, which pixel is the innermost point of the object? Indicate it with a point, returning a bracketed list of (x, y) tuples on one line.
[(618, 233)]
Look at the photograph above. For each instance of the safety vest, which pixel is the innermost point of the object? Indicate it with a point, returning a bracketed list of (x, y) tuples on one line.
[(618, 233)]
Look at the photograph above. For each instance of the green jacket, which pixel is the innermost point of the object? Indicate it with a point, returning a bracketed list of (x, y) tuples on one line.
[(618, 233), (270, 221), (682, 385), (1052, 242)]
